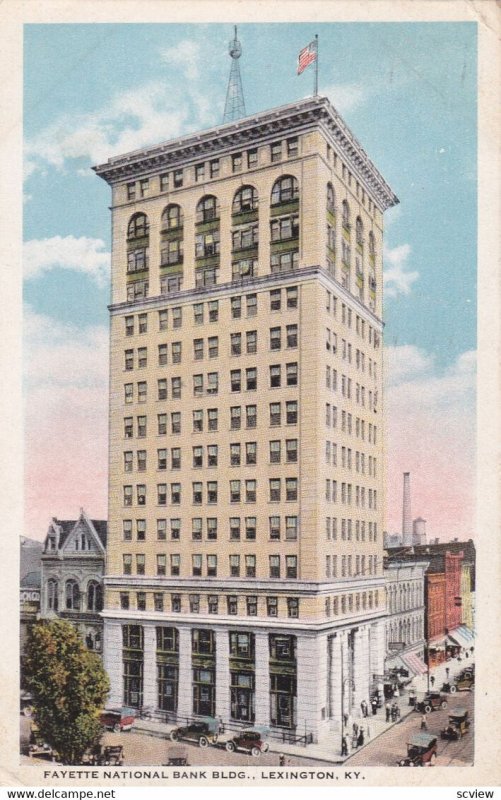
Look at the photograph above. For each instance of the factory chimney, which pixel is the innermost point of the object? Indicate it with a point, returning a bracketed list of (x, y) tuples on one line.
[(406, 512)]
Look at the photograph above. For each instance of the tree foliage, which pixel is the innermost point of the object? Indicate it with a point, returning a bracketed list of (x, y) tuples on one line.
[(69, 687)]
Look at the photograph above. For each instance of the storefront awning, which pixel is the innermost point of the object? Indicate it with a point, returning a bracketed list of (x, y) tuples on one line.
[(414, 663), (461, 636)]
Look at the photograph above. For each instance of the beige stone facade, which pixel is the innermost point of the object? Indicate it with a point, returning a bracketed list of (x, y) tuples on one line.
[(244, 566)]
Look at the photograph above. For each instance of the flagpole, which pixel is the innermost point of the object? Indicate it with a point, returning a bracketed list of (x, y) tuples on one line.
[(316, 66)]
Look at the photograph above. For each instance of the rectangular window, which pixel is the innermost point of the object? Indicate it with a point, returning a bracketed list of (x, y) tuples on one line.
[(275, 527), (194, 600), (211, 566), (291, 451), (235, 528), (275, 454), (161, 564), (250, 528), (196, 565), (213, 310), (212, 491), (251, 300), (232, 604), (175, 601), (252, 606), (176, 352), (128, 427), (127, 495), (128, 463), (197, 493), (236, 162), (162, 494), (212, 419), (141, 601), (198, 349), (127, 564), (196, 528), (292, 147), (291, 528), (272, 606), (236, 380), (127, 530), (251, 453), (142, 357), (198, 386), (251, 379), (141, 460), (141, 427), (292, 373), (275, 338), (213, 343), (128, 392), (175, 458), (212, 455), (235, 458), (199, 172), (175, 422), (175, 564), (250, 566), (251, 341), (214, 168), (161, 529), (291, 336), (274, 566), (275, 376), (235, 418), (250, 491), (198, 313), (158, 601), (142, 392), (162, 424), (164, 182), (292, 607), (275, 299), (211, 527), (131, 191), (213, 604), (129, 359), (236, 307), (275, 490), (175, 494), (235, 566), (140, 564), (176, 388), (291, 412), (251, 416), (162, 389), (236, 344), (235, 492), (291, 566), (178, 178), (198, 456), (291, 488), (129, 326), (275, 414), (276, 152), (175, 529), (252, 158)]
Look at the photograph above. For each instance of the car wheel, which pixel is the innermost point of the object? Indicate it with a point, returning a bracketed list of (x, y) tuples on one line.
[(173, 736), (255, 752), (230, 746), (203, 741), (453, 689), (444, 704), (428, 709), (116, 727)]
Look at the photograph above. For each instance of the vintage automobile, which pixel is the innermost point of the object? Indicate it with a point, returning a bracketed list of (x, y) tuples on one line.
[(204, 732), (118, 719), (251, 741), (431, 702), (421, 751), (177, 757), (26, 703), (458, 724), (113, 755), (461, 683)]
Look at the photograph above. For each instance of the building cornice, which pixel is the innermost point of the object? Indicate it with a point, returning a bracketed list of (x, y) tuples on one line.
[(308, 114), (255, 283), (238, 585), (225, 622)]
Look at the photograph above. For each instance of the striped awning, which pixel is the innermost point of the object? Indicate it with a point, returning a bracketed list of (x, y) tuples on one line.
[(414, 663), (461, 636)]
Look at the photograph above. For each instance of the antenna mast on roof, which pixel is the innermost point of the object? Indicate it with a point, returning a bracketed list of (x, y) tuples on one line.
[(234, 108)]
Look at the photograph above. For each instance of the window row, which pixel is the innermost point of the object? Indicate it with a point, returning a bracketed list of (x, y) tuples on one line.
[(348, 604), (348, 530), (207, 528), (331, 421), (239, 491), (346, 494), (349, 566), (73, 598), (279, 413), (346, 461), (363, 329), (232, 605), (207, 566)]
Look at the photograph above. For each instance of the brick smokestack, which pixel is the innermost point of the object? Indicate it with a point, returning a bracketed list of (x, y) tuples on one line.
[(406, 512)]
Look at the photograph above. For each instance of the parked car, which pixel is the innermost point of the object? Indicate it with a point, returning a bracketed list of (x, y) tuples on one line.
[(177, 757), (421, 751), (458, 724), (461, 683), (251, 741), (118, 719), (431, 702), (26, 703), (204, 732)]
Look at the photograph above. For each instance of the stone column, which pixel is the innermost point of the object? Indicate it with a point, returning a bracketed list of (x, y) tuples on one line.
[(262, 679), (223, 675), (112, 660), (185, 689), (150, 693), (335, 678), (309, 683), (361, 667)]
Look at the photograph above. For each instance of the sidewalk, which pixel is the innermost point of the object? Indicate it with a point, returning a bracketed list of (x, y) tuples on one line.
[(328, 748)]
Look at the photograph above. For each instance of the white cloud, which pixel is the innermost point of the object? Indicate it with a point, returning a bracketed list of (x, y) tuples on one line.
[(146, 115), (406, 362), (82, 254), (346, 97), (185, 55), (397, 280)]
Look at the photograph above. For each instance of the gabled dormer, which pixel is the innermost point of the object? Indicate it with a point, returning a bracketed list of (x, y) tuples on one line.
[(85, 538)]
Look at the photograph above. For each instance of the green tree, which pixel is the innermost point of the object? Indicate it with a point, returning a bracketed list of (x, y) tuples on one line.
[(69, 687)]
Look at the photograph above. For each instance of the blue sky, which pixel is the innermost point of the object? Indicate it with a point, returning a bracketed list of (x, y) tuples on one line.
[(407, 90)]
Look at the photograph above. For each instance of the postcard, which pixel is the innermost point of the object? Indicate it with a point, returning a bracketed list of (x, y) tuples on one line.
[(253, 532)]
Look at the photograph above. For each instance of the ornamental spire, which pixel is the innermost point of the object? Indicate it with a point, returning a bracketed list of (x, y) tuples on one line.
[(234, 107)]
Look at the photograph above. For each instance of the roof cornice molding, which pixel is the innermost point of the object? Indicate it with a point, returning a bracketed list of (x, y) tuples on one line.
[(292, 118)]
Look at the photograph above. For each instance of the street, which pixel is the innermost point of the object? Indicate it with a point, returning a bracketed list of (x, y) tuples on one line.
[(388, 748)]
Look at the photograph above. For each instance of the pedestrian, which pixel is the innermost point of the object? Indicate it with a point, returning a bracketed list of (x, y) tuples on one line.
[(432, 681), (424, 722), (281, 759), (412, 697), (354, 741), (345, 719), (396, 692), (447, 670), (388, 712), (355, 729), (364, 707), (394, 712), (374, 706), (344, 747), (360, 740)]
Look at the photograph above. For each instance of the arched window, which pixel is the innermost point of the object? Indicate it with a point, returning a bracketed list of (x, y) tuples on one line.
[(52, 595), (372, 244), (72, 596), (94, 596), (285, 190), (359, 231), (246, 199), (138, 227), (331, 198), (346, 214), (172, 217), (207, 209)]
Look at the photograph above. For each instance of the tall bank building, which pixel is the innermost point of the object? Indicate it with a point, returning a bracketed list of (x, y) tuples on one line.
[(244, 575)]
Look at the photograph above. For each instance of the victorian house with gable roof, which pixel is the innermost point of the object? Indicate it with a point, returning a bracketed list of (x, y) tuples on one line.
[(72, 575)]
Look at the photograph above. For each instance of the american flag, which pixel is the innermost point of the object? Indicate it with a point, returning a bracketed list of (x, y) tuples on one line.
[(306, 57)]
